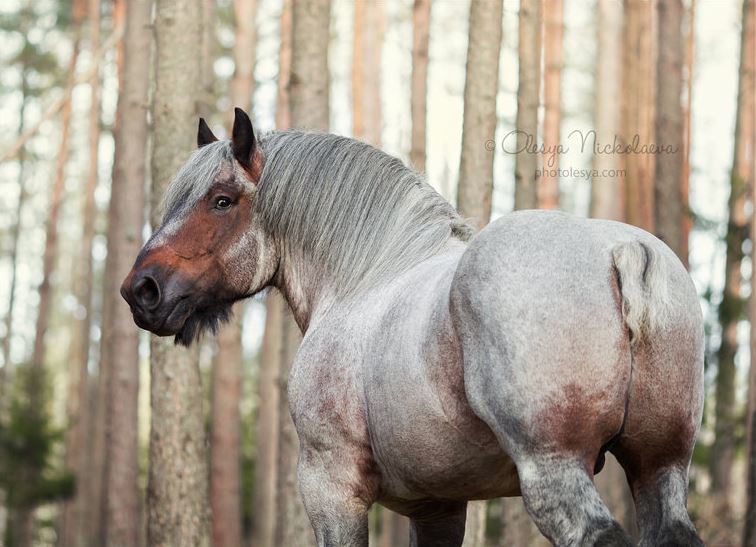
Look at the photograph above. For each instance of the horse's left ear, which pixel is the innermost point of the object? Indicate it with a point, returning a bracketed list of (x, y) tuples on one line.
[(204, 134), (243, 140)]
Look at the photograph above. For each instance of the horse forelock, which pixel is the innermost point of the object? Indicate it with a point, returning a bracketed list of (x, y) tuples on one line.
[(349, 208), (195, 178)]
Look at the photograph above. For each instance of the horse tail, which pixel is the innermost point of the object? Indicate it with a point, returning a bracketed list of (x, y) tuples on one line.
[(642, 275)]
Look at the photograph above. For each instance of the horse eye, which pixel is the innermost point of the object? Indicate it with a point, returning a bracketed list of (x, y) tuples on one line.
[(222, 202)]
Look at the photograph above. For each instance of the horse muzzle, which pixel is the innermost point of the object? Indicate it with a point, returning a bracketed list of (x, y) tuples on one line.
[(159, 300)]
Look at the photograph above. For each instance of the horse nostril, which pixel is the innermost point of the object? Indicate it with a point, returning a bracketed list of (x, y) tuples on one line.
[(147, 292)]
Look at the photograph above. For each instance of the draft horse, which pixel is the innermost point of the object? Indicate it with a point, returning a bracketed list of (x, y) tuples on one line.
[(439, 366)]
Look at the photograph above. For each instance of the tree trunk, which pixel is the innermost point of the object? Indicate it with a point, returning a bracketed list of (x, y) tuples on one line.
[(177, 490), (637, 111), (243, 82), (74, 515), (309, 87), (293, 527), (283, 106), (206, 103), (607, 190), (475, 188), (687, 220), (366, 70), (732, 306), (309, 108), (421, 15), (553, 29), (225, 473), (528, 93), (395, 529), (225, 457), (266, 462), (119, 349), (669, 203), (745, 163)]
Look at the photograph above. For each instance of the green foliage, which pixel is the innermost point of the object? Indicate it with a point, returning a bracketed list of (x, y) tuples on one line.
[(27, 446)]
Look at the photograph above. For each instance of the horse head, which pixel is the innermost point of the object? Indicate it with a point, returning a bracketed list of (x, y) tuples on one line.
[(210, 250)]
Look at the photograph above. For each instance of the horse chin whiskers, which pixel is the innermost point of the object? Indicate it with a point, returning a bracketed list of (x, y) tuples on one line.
[(201, 320)]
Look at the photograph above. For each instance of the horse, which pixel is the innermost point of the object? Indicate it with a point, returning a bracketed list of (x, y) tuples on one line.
[(439, 366)]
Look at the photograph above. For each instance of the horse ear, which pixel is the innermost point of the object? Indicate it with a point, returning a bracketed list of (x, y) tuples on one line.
[(204, 134), (243, 140)]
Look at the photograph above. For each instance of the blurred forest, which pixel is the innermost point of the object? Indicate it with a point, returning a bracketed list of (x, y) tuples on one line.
[(109, 436)]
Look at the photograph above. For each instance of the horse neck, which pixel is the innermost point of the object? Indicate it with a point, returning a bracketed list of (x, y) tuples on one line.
[(305, 287)]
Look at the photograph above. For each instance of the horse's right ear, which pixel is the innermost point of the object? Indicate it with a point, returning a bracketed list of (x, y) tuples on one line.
[(204, 134)]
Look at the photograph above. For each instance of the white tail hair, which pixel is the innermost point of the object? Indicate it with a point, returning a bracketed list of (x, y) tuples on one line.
[(643, 284)]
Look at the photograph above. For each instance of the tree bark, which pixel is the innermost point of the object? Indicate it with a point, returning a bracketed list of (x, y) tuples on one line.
[(732, 306), (669, 202), (687, 220), (553, 30), (309, 87), (243, 82), (225, 457), (366, 70), (421, 15), (120, 337), (475, 188), (177, 489), (293, 527), (269, 389), (283, 106), (528, 94), (607, 190), (745, 164), (637, 111), (77, 406)]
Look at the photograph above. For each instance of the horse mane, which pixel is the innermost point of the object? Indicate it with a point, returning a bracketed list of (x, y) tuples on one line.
[(357, 211), (338, 203)]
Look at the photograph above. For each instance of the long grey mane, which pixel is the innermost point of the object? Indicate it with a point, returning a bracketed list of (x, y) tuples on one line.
[(353, 210)]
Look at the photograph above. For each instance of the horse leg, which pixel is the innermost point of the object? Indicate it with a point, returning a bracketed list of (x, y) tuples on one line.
[(560, 497), (337, 499), (438, 524), (656, 445), (660, 507)]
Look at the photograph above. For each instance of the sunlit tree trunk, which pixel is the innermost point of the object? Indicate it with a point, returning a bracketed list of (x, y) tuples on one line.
[(553, 29), (528, 93), (177, 490), (75, 518), (745, 166), (309, 104), (690, 41), (732, 306), (637, 110), (265, 499), (475, 188), (669, 203), (421, 15), (607, 190), (366, 70), (120, 337)]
